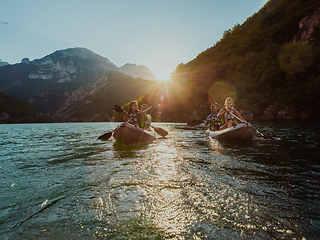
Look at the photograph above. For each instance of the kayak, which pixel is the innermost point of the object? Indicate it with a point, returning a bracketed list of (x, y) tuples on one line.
[(129, 134), (243, 131)]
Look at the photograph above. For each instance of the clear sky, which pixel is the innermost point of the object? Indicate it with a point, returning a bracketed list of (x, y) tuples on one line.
[(159, 34)]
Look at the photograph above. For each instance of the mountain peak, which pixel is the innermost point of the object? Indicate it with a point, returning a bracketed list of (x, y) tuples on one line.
[(3, 63), (80, 53), (138, 71)]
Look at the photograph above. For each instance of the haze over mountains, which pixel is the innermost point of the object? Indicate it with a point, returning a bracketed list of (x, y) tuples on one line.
[(47, 83)]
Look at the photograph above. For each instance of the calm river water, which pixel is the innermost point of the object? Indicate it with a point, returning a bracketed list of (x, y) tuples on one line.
[(57, 181)]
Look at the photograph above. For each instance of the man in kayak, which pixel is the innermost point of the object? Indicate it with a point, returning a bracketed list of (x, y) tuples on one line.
[(228, 113), (146, 118), (213, 119)]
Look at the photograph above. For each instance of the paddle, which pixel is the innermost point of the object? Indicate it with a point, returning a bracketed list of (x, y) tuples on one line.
[(108, 135), (158, 130), (264, 136)]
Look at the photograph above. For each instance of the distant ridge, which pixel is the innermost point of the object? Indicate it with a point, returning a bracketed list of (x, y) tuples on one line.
[(138, 71), (47, 83), (3, 63)]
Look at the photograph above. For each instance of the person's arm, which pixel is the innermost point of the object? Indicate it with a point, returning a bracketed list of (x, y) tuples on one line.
[(220, 114), (208, 120), (143, 115)]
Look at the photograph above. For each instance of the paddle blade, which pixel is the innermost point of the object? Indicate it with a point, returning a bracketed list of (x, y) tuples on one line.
[(160, 131), (105, 136), (264, 136), (118, 109), (194, 122)]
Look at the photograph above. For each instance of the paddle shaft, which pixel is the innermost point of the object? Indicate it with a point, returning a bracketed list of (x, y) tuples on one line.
[(232, 113)]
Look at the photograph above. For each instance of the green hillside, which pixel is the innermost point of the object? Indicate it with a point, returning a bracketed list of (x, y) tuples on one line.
[(16, 110), (258, 64)]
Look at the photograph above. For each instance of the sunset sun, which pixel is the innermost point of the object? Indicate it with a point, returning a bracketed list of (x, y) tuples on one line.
[(163, 74)]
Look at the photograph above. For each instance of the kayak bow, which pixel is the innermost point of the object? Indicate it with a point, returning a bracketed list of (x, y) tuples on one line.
[(240, 132), (129, 134)]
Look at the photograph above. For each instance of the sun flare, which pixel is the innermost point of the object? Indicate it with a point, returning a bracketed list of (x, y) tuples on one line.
[(163, 74)]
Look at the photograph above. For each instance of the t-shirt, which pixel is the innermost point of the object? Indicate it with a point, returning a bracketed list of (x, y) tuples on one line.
[(149, 118)]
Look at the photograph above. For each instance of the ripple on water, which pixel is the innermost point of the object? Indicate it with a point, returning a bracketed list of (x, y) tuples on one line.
[(58, 181)]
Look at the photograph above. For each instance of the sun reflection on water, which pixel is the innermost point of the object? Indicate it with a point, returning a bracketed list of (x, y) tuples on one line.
[(164, 202)]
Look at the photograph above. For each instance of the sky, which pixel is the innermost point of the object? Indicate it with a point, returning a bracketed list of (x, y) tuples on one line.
[(159, 34)]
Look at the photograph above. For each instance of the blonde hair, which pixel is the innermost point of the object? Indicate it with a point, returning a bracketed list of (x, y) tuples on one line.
[(229, 99)]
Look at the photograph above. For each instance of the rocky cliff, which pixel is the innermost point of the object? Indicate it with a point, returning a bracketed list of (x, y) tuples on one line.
[(307, 27), (95, 101)]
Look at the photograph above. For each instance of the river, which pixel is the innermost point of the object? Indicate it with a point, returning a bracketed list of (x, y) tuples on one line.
[(59, 182)]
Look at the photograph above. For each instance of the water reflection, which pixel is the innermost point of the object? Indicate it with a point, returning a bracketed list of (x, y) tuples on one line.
[(163, 190), (184, 186), (128, 151)]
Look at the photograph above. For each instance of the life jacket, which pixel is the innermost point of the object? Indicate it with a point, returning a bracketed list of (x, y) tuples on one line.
[(222, 120), (144, 123), (228, 116), (134, 119), (215, 121)]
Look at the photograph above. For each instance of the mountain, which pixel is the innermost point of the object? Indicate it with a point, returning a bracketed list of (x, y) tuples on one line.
[(16, 110), (138, 71), (95, 100), (47, 83), (270, 65), (3, 63)]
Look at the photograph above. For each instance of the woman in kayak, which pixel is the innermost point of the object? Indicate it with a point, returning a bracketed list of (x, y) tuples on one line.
[(214, 121), (133, 116), (228, 113)]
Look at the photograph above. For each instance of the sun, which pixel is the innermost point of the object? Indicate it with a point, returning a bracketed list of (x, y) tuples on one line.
[(163, 74)]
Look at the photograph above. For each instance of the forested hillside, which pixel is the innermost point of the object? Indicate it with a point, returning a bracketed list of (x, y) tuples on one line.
[(269, 65), (15, 110)]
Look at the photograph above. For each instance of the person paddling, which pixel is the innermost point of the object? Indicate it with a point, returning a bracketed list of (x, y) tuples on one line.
[(212, 118), (133, 116), (226, 113), (145, 120)]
